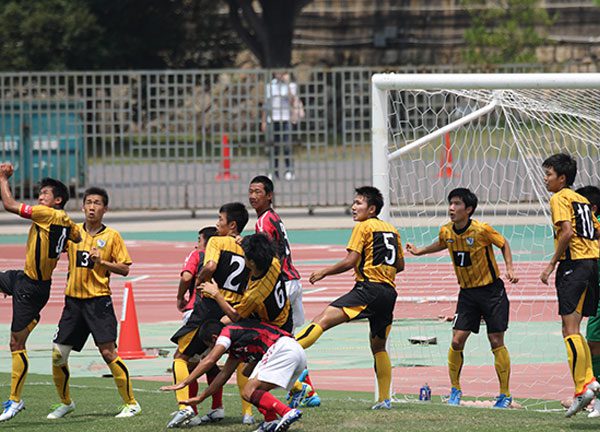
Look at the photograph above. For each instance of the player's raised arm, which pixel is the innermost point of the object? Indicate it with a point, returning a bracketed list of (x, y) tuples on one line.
[(436, 246), (507, 254), (10, 204), (350, 261)]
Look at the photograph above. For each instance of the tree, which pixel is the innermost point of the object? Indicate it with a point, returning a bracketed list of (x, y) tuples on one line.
[(114, 34), (47, 35), (268, 36), (505, 31)]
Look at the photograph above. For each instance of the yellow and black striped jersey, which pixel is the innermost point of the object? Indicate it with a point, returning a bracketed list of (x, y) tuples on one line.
[(266, 297), (378, 244), (472, 253), (231, 274), (47, 239), (86, 278), (567, 205)]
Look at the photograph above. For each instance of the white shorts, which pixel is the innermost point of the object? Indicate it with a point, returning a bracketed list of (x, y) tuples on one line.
[(293, 289), (282, 364)]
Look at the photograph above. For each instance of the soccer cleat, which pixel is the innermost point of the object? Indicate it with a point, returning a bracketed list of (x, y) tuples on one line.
[(311, 401), (61, 410), (129, 410), (596, 411), (294, 398), (503, 401), (290, 417), (248, 419), (384, 404), (455, 395), (11, 409), (267, 426), (212, 416), (180, 417), (580, 402)]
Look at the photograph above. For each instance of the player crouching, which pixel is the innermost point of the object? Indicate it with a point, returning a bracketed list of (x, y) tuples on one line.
[(279, 361)]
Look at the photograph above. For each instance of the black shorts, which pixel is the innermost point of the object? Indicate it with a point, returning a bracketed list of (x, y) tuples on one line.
[(573, 280), (375, 301), (80, 317), (28, 297), (186, 337), (489, 302)]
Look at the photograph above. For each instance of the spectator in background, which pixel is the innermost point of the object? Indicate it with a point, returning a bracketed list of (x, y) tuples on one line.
[(282, 109)]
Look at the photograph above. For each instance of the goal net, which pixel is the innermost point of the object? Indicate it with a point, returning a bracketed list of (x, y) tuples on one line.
[(489, 133)]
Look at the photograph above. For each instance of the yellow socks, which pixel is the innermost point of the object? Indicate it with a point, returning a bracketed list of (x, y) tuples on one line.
[(580, 362), (383, 371), (309, 335), (455, 363), (502, 365), (61, 375), (241, 382), (180, 372), (122, 380), (20, 366)]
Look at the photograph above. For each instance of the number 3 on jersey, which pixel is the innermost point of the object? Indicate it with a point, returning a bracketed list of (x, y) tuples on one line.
[(385, 248), (84, 260)]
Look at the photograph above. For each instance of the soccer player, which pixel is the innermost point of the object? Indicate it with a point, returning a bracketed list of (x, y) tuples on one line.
[(260, 196), (187, 284), (482, 292), (30, 288), (592, 193), (223, 262), (375, 253), (265, 297), (576, 252), (280, 361), (88, 305)]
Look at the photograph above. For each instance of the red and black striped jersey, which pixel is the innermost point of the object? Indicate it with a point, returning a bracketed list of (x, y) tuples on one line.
[(249, 340), (271, 224), (193, 264)]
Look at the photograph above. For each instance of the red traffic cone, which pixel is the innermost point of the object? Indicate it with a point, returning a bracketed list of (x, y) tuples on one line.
[(446, 160), (130, 346), (225, 173)]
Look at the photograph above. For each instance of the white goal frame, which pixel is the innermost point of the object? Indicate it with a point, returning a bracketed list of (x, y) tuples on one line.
[(382, 83)]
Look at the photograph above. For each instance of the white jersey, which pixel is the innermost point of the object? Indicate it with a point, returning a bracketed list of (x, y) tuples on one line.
[(279, 99)]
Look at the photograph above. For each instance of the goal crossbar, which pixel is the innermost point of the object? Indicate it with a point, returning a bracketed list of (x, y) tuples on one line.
[(382, 83)]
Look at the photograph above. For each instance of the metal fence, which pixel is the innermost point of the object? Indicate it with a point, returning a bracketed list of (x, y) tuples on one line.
[(191, 139)]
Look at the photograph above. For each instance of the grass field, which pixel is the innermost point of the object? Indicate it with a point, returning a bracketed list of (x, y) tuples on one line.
[(97, 403)]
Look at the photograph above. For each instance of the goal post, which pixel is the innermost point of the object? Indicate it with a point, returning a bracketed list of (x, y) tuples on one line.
[(490, 133), (382, 84)]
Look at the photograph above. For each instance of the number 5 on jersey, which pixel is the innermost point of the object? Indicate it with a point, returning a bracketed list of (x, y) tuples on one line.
[(385, 248)]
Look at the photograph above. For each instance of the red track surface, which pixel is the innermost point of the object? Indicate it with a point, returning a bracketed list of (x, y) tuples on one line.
[(424, 290)]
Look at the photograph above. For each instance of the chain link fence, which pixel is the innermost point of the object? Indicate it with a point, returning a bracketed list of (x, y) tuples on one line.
[(194, 139)]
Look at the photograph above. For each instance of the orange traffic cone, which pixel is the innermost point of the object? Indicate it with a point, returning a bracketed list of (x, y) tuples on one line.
[(225, 173), (130, 346)]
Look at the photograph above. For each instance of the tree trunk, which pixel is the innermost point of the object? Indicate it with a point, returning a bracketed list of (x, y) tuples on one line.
[(269, 36)]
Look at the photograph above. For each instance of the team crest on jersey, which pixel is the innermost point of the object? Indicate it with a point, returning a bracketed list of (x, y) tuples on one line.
[(470, 241), (101, 243), (449, 241)]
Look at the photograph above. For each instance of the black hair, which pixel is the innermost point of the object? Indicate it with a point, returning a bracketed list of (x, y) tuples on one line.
[(373, 196), (260, 249), (59, 190), (207, 233), (563, 164), (235, 212), (265, 181), (96, 191), (466, 196), (210, 328), (592, 193)]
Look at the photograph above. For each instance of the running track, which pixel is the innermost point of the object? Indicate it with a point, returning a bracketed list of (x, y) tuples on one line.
[(424, 290)]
